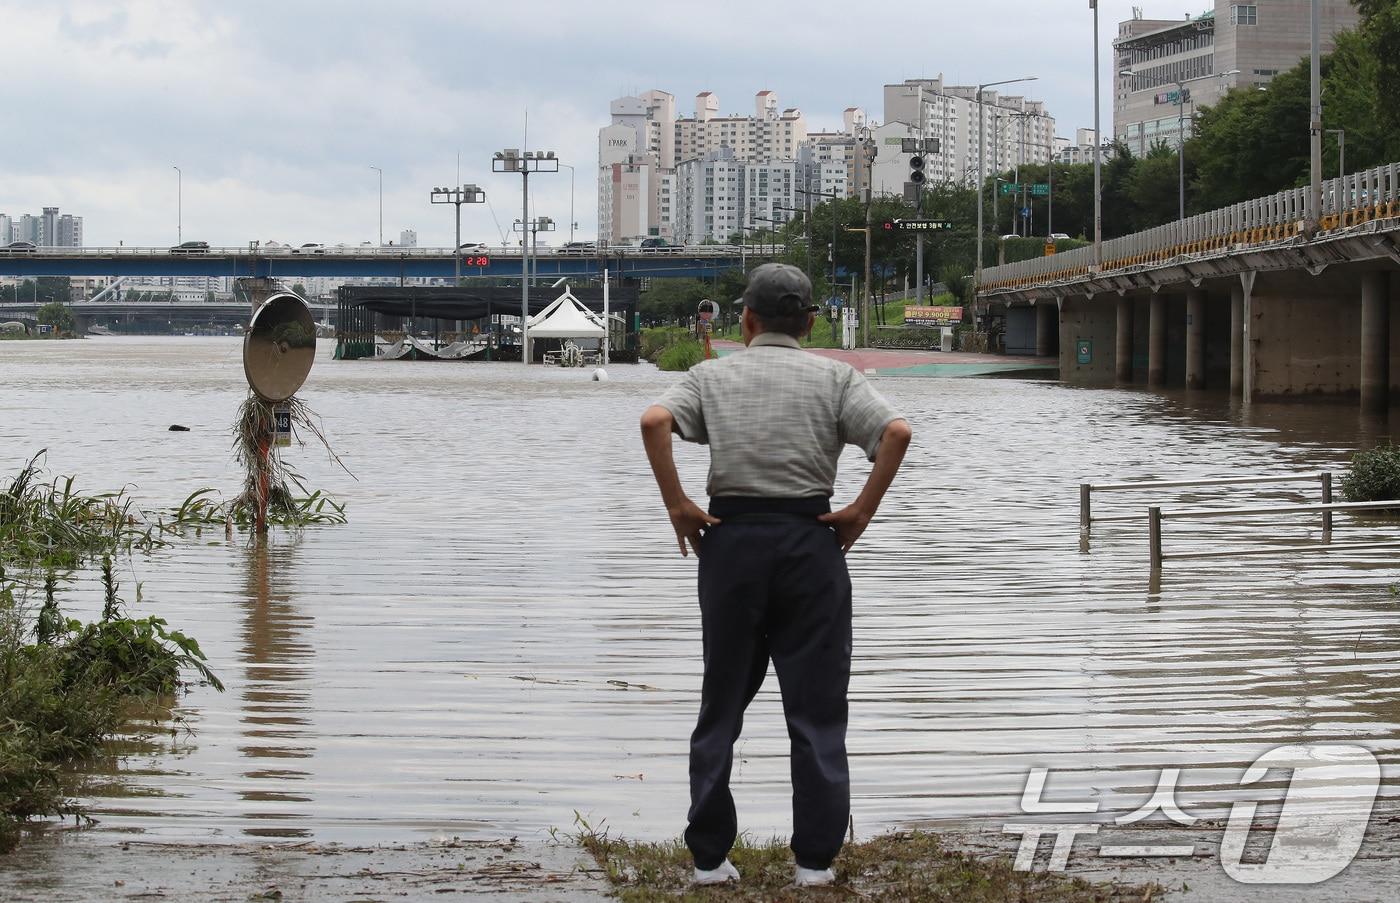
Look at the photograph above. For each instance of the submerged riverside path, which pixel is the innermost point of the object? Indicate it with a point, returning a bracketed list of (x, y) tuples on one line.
[(503, 634)]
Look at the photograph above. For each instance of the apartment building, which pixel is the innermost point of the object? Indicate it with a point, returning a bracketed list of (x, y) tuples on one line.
[(1174, 66), (48, 229), (1000, 133)]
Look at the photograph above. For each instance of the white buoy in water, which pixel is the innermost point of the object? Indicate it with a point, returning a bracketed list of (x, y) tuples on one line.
[(600, 375)]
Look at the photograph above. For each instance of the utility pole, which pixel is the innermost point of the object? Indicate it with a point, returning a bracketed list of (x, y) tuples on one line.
[(466, 194), (867, 154), (919, 209), (512, 160), (865, 307)]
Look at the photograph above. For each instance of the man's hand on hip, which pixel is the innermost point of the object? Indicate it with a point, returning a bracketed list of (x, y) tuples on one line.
[(850, 522), (689, 519)]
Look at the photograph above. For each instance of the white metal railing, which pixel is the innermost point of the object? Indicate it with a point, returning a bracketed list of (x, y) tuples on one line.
[(1347, 201), (1087, 490), (1155, 516)]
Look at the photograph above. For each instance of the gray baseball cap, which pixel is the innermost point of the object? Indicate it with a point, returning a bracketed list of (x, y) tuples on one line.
[(778, 290)]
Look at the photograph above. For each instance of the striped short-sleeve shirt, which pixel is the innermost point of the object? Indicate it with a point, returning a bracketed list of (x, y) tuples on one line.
[(776, 418)]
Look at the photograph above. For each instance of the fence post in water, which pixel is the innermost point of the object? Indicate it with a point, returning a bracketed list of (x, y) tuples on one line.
[(1084, 491), (1154, 536), (1327, 500)]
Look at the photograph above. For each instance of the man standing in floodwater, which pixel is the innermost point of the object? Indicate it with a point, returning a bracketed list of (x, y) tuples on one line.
[(772, 571)]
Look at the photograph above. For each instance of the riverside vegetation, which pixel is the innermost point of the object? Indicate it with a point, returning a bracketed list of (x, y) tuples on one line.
[(893, 868), (67, 687)]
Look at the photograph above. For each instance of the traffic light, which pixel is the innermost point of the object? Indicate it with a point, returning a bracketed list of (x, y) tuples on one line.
[(916, 169)]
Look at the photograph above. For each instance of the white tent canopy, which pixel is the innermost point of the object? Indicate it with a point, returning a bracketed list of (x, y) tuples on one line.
[(566, 318)]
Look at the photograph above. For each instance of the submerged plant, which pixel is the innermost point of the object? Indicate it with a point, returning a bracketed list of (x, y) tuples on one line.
[(50, 524), (269, 481)]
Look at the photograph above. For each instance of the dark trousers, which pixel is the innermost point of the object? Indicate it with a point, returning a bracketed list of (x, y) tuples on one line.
[(773, 586)]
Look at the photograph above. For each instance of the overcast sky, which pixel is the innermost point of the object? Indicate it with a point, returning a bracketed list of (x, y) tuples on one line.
[(276, 111)]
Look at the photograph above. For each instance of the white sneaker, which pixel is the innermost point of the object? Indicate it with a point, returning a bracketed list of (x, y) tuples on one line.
[(813, 877), (722, 875)]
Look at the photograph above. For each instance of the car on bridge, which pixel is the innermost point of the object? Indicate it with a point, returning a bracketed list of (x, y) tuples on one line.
[(311, 247), (191, 247), (649, 243), (579, 247), (473, 246), (19, 247)]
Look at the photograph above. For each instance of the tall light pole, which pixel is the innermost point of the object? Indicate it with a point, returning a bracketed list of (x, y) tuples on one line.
[(513, 160), (572, 225), (1098, 150), (1180, 133), (982, 165), (1341, 150), (1315, 125), (381, 204), (179, 206), (466, 194)]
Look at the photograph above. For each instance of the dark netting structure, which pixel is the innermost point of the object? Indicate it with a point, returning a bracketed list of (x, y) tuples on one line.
[(469, 322)]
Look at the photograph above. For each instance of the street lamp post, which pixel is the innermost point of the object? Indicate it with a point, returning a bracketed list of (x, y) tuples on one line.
[(1098, 150), (1180, 133), (572, 225), (512, 160), (982, 165), (381, 204), (179, 206), (1315, 125), (533, 228), (833, 197), (465, 194)]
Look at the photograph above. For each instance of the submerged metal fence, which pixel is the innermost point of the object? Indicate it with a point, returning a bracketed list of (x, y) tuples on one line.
[(1346, 201), (1154, 515)]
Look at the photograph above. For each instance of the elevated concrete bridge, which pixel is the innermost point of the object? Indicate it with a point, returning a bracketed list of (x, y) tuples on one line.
[(703, 261), (1239, 298)]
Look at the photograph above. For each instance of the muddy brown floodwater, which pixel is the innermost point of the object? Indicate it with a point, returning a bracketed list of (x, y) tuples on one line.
[(503, 635)]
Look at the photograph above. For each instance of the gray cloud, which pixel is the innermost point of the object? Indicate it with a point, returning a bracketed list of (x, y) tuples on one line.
[(275, 111)]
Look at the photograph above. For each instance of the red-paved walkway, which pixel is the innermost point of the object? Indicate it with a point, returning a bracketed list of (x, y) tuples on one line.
[(890, 359)]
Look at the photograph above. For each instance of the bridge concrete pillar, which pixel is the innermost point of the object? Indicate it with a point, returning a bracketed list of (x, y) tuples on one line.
[(1047, 328), (257, 289), (1123, 346), (1375, 341), (1157, 340), (1195, 339), (1236, 340)]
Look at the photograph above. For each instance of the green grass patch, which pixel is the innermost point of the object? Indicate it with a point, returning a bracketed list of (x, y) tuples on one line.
[(893, 868), (67, 687), (1374, 475), (47, 523), (681, 356), (658, 338)]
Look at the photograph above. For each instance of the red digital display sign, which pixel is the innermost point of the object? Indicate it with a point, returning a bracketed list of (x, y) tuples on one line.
[(478, 261)]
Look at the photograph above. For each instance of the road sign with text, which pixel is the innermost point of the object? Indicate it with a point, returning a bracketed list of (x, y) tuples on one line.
[(917, 225)]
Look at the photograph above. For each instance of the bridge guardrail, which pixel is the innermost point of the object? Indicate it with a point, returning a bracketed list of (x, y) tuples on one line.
[(1346, 201)]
